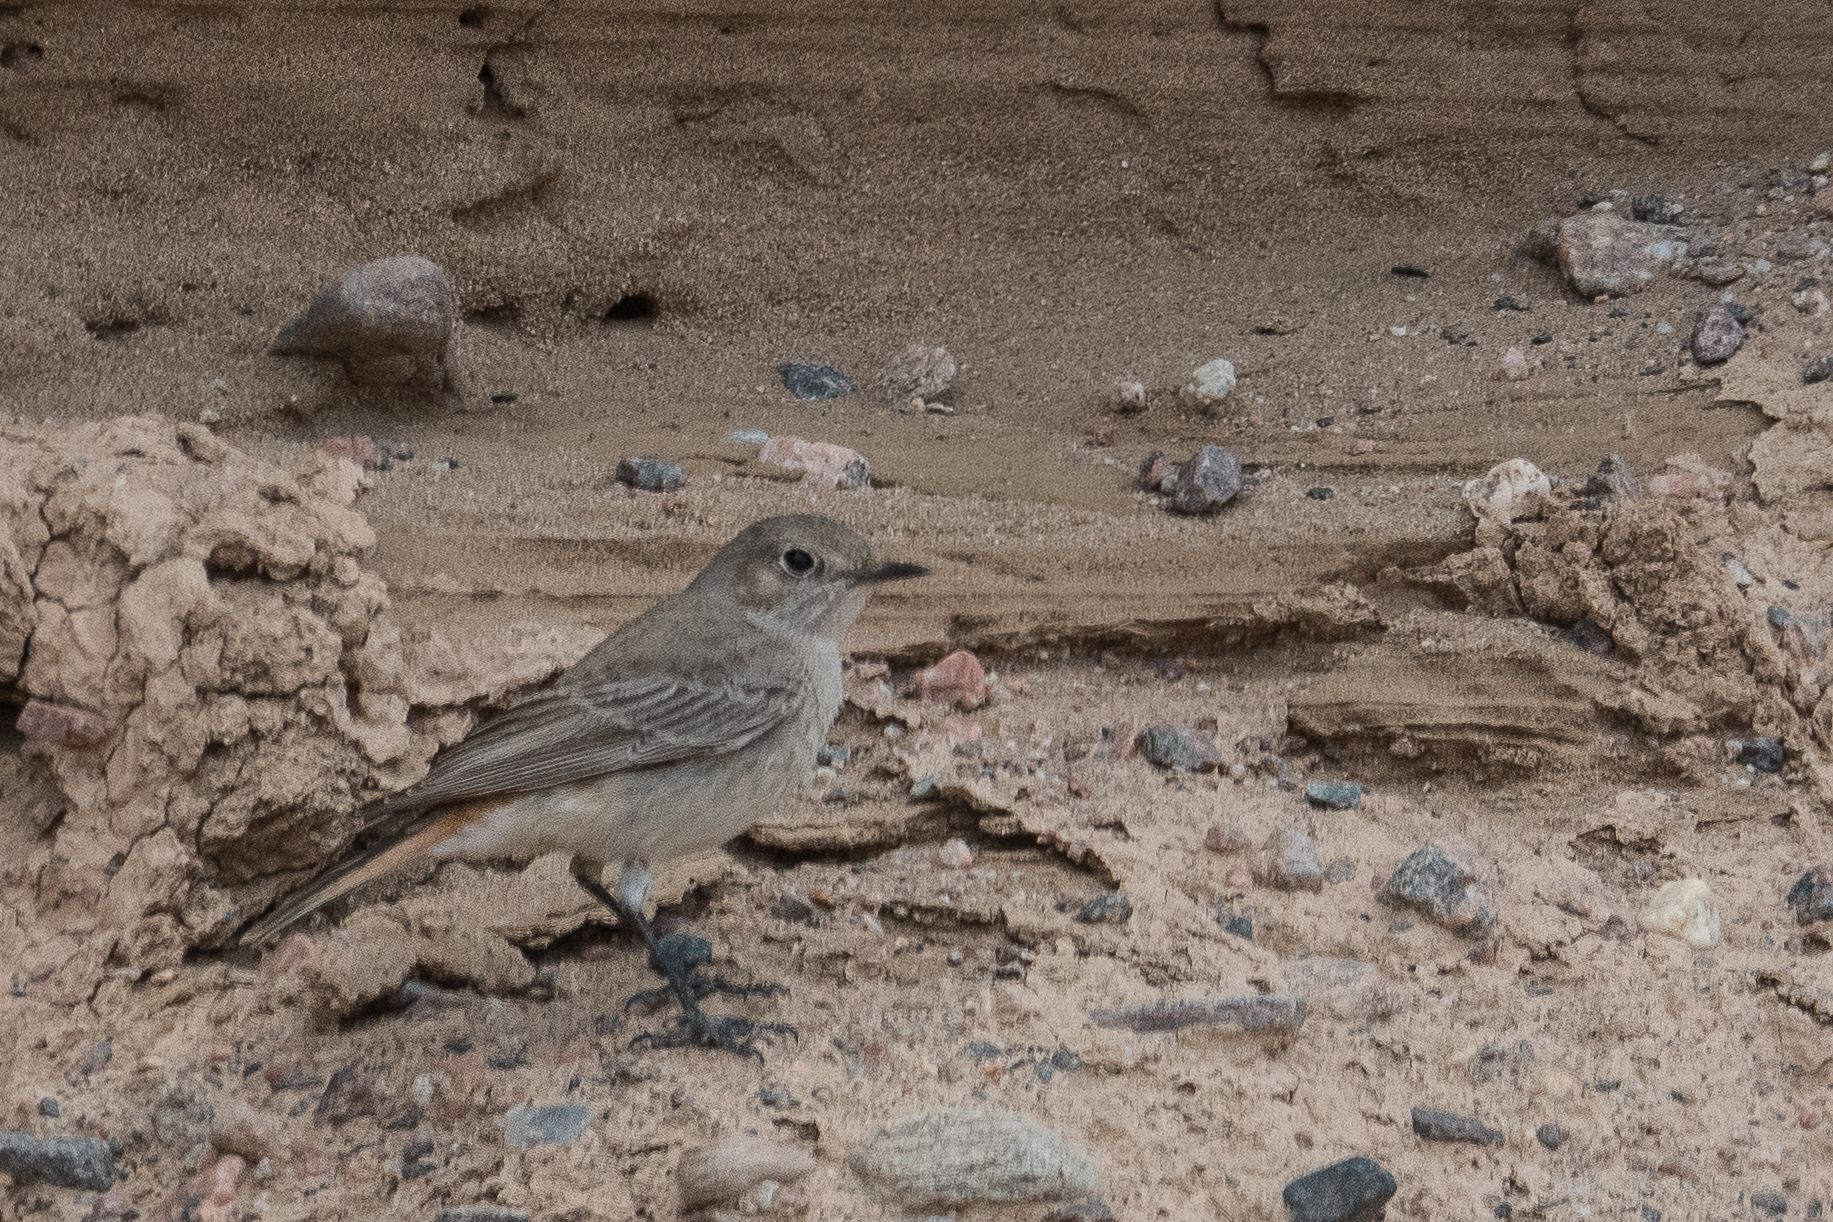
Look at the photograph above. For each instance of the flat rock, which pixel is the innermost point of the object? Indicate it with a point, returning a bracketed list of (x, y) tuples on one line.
[(1430, 1124), (650, 474), (725, 1170), (1456, 888), (1686, 909), (63, 1162), (822, 463), (1258, 1012), (1354, 1190), (1717, 335), (1203, 483), (1345, 795), (960, 1156), (388, 322), (1293, 863), (1812, 895), (1169, 747), (525, 1125), (813, 381), (1603, 254)]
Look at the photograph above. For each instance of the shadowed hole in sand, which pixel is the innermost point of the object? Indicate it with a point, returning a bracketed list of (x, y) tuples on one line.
[(111, 328), (639, 308), (474, 17), (504, 314), (20, 55)]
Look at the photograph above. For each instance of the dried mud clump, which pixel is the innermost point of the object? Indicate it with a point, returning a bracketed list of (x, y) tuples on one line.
[(206, 690)]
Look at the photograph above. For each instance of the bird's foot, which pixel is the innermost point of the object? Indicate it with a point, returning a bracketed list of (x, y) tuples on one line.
[(697, 1029)]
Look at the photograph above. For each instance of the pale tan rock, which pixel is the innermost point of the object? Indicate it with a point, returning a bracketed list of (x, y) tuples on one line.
[(727, 1169)]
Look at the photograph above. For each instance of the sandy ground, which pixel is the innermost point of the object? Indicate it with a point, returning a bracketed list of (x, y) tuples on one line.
[(1066, 197)]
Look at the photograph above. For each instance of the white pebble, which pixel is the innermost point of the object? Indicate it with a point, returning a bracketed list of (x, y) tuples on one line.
[(956, 855)]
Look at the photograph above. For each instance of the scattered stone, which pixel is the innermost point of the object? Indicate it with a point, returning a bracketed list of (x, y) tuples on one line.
[(388, 322), (1613, 478), (833, 755), (1514, 367), (1344, 795), (1763, 753), (1719, 272), (1685, 909), (1342, 870), (959, 680), (1812, 302), (1259, 1012), (747, 437), (1545, 337), (481, 1213), (1550, 1135), (724, 1171), (1292, 863), (1506, 492), (1510, 303), (237, 1128), (50, 724), (1457, 889), (1429, 1124), (1820, 369), (915, 375), (1320, 493), (965, 1155), (1591, 637), (62, 1162), (525, 1125), (91, 1062), (1190, 750), (1203, 483), (1604, 255), (1657, 210), (822, 463), (650, 474), (1129, 397), (1354, 1190), (1239, 924), (1225, 838), (1717, 335), (1542, 241), (1689, 476), (48, 1106), (1108, 908), (1154, 469), (346, 1096), (1812, 895), (1212, 381), (813, 381), (955, 854), (1457, 333), (1769, 1204)]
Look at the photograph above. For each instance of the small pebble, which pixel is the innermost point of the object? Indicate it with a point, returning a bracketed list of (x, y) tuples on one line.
[(964, 1156), (1657, 210), (1457, 889), (813, 381), (1258, 1012), (919, 373), (1685, 909), (1225, 838), (1203, 483), (1820, 369), (822, 463), (959, 680), (1237, 924), (48, 1107), (1108, 908), (1129, 397), (388, 322), (1320, 493), (62, 1162), (1717, 336), (1212, 381), (956, 855), (1430, 1124), (1509, 303), (1346, 795), (724, 1171), (1768, 1204), (1763, 753), (1342, 870), (1190, 750), (1550, 1136), (1605, 255), (1591, 638), (1507, 491), (1354, 1190), (650, 475), (834, 755), (1294, 864), (748, 437), (1514, 366), (1812, 895), (526, 1125)]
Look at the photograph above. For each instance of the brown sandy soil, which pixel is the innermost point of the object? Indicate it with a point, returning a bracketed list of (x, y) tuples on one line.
[(644, 210)]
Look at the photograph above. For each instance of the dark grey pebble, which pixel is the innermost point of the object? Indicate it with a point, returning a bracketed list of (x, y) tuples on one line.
[(1656, 210), (1255, 1013), (1430, 1124), (1354, 1190), (1717, 335), (1551, 1136), (1762, 753), (794, 909), (1325, 422), (1778, 617), (1204, 483), (1591, 637), (1545, 337), (1742, 313), (1456, 334), (650, 474), (480, 1213), (1325, 795), (1820, 369), (1613, 478), (813, 381), (63, 1162), (777, 1096), (834, 755), (1320, 493), (1295, 863), (1235, 923), (1169, 747), (1109, 908), (1453, 890), (1650, 1214), (981, 1050), (1410, 271), (1509, 303), (1812, 895), (1342, 870), (1768, 1204), (48, 1107)]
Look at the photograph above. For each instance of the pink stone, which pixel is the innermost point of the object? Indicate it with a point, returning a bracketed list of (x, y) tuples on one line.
[(958, 679), (61, 725), (821, 462), (1514, 366), (225, 1176), (360, 450), (1689, 476), (1363, 446)]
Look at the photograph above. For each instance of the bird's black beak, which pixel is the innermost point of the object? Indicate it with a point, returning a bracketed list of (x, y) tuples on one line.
[(891, 571)]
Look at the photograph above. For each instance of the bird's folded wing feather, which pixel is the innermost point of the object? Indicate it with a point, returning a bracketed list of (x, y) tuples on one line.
[(572, 733)]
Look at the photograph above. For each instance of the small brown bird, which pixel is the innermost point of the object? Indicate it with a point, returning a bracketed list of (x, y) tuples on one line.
[(676, 733)]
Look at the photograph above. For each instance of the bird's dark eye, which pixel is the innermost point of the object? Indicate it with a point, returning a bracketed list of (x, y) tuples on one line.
[(797, 563)]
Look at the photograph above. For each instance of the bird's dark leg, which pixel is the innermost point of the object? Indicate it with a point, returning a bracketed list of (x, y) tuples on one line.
[(677, 957)]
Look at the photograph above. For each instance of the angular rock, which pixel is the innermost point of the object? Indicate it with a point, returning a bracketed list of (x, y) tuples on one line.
[(1614, 478), (1168, 747), (1762, 752), (1293, 863), (1259, 1012), (1603, 254), (1108, 908), (1820, 369), (388, 322), (822, 463), (1719, 272), (1345, 795), (1768, 1204), (725, 1170), (650, 474), (525, 1125), (1812, 895), (346, 1096), (1456, 888), (1717, 335), (1203, 483), (919, 372), (63, 1162), (1354, 1190), (1154, 469), (1212, 381), (960, 1156), (1514, 366), (1657, 210), (1429, 1124), (813, 381), (1507, 491), (1542, 241), (1684, 909), (959, 679), (1550, 1135)]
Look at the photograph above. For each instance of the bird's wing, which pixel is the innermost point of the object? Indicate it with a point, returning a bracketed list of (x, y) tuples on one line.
[(571, 732)]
